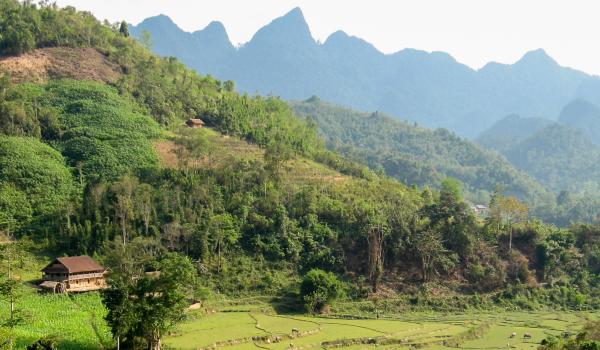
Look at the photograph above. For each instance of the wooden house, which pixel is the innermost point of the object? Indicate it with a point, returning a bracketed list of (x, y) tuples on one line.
[(73, 274), (481, 210), (195, 123)]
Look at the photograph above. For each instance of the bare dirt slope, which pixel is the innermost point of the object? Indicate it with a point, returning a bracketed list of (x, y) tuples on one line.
[(60, 62)]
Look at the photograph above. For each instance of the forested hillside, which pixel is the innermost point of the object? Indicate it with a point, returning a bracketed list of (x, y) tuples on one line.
[(252, 204), (560, 155), (432, 89), (510, 130), (583, 116), (416, 155), (551, 169)]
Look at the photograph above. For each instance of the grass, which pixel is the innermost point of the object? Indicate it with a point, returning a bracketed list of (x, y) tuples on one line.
[(76, 321)]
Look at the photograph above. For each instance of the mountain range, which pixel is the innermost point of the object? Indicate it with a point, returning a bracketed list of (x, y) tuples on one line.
[(430, 88)]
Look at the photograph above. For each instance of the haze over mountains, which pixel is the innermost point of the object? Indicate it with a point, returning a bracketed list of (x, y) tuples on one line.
[(562, 154), (432, 89)]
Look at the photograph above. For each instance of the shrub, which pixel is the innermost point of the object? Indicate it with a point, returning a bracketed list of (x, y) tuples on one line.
[(320, 288), (46, 343)]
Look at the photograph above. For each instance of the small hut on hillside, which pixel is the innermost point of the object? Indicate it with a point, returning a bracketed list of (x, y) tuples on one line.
[(195, 123), (73, 274)]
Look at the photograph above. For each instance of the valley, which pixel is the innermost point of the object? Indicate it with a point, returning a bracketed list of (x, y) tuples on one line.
[(146, 204)]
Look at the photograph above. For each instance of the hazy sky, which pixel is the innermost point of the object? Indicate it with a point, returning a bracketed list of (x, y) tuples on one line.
[(473, 31)]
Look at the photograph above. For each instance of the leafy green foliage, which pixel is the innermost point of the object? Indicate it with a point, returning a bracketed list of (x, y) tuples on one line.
[(100, 133), (103, 132), (16, 118), (36, 184), (26, 26), (46, 343), (144, 306), (319, 288), (587, 339), (265, 121)]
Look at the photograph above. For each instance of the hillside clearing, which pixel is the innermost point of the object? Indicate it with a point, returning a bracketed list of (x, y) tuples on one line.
[(55, 63), (222, 149)]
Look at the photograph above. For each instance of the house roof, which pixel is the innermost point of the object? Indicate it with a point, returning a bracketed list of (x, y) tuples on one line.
[(195, 121), (74, 264)]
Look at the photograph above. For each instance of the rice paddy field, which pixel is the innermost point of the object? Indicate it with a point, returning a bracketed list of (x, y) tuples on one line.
[(78, 322), (252, 330)]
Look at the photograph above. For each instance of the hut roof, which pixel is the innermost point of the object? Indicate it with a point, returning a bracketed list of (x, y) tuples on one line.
[(195, 121), (74, 264)]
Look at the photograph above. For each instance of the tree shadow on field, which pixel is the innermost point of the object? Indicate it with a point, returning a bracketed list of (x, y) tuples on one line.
[(287, 302), (70, 344), (66, 344)]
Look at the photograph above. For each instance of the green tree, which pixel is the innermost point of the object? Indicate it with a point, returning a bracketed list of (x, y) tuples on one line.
[(193, 146), (452, 187), (124, 29), (144, 205), (222, 235), (430, 252), (319, 288), (18, 24), (451, 216), (508, 210), (160, 300), (143, 306), (229, 86), (124, 207), (147, 40), (276, 154)]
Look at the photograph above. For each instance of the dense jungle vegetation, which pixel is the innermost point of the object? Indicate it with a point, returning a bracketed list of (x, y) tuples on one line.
[(79, 174)]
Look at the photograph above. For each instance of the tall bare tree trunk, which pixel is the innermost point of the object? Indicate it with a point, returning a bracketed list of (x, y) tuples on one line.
[(12, 300), (124, 230), (510, 237), (375, 241)]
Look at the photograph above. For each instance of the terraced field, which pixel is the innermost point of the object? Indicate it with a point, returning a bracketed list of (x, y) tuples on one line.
[(250, 330)]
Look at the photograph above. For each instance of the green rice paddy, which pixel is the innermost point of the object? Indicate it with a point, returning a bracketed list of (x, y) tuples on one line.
[(78, 322), (476, 331)]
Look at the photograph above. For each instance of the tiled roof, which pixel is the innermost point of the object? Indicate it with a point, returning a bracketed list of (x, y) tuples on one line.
[(75, 264)]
